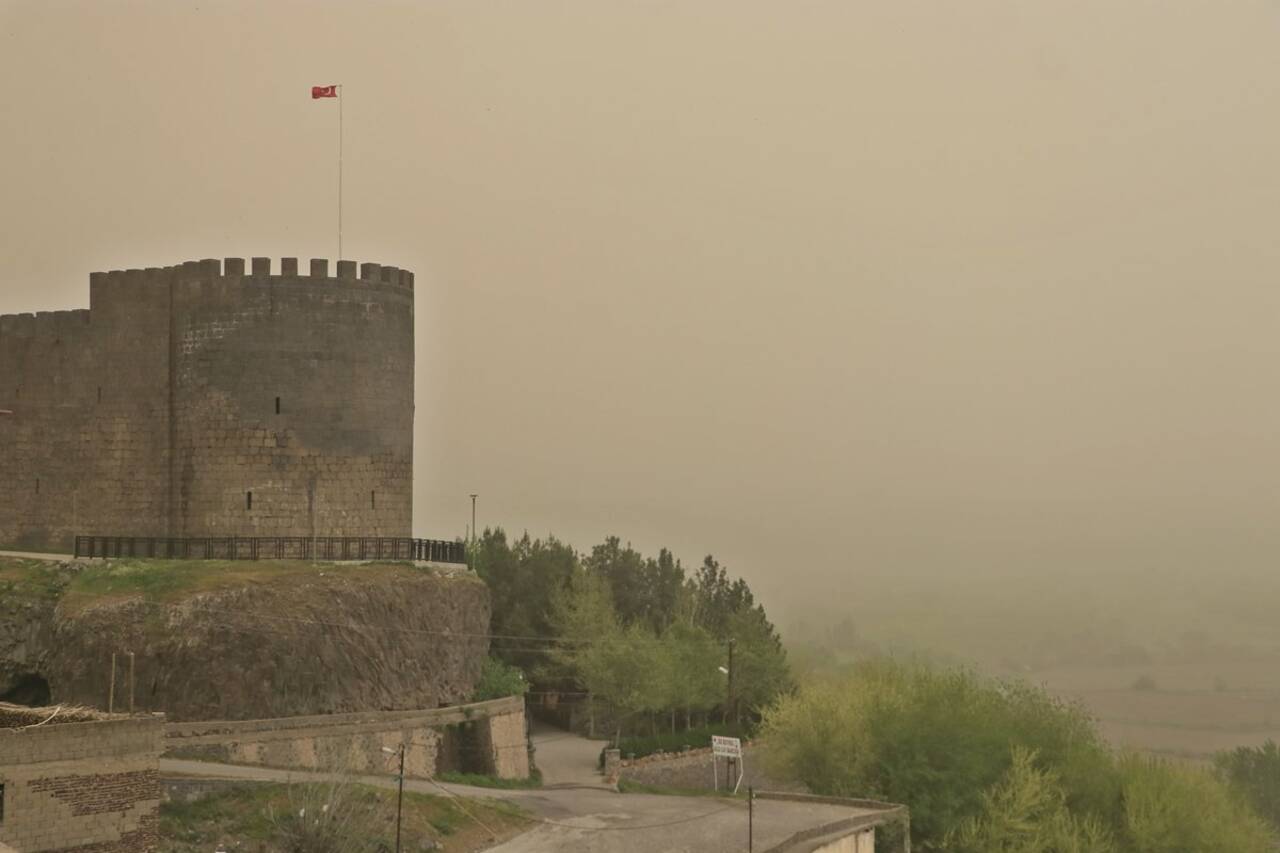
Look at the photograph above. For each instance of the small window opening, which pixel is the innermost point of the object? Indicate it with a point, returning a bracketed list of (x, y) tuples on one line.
[(99, 393), (277, 405), (37, 485), (1, 802), (248, 500), (373, 500)]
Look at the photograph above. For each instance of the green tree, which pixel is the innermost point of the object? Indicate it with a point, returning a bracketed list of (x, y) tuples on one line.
[(717, 597), (522, 580), (1254, 773), (1026, 812), (498, 680), (760, 670)]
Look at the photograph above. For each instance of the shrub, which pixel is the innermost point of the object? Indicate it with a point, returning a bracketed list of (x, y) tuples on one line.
[(669, 742), (1254, 774), (1178, 807), (933, 739), (989, 765), (1145, 683), (498, 680)]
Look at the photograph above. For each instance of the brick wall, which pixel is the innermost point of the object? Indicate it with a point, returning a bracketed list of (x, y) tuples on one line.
[(354, 743), (154, 412), (88, 787)]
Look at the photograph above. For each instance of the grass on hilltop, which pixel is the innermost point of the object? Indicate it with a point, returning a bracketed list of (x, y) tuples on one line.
[(168, 580)]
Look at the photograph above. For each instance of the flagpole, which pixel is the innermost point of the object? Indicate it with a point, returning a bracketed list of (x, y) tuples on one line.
[(339, 87)]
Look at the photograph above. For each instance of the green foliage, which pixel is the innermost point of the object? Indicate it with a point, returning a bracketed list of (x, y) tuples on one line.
[(1254, 773), (336, 816), (696, 738), (498, 679), (481, 780), (994, 765), (630, 630), (522, 577), (1026, 812), (1171, 808)]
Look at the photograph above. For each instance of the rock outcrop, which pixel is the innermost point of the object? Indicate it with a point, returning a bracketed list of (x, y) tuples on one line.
[(389, 638)]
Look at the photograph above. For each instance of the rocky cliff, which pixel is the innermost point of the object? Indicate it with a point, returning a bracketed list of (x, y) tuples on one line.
[(247, 640)]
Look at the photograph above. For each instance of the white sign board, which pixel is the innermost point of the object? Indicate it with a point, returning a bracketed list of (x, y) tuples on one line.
[(726, 747)]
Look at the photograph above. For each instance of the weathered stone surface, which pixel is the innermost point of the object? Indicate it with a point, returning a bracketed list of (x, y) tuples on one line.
[(391, 639), (81, 786), (154, 413)]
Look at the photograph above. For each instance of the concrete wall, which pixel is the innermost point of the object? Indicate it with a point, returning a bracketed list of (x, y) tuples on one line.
[(82, 786), (354, 742), (154, 412), (858, 842)]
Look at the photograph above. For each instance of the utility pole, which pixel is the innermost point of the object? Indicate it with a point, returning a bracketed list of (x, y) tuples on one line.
[(728, 708), (473, 518), (400, 799), (400, 802)]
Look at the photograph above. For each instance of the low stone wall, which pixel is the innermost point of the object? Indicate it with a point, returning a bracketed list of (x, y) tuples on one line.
[(485, 737), (82, 786), (693, 770)]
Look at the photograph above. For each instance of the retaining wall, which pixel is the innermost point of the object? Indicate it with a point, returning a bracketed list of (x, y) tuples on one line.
[(484, 737), (86, 786)]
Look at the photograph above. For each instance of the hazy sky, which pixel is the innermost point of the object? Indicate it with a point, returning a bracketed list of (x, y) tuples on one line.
[(829, 289)]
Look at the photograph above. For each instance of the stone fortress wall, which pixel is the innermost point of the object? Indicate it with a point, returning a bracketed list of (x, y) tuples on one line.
[(207, 399)]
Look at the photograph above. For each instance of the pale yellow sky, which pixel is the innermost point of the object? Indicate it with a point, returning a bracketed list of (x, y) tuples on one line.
[(826, 288)]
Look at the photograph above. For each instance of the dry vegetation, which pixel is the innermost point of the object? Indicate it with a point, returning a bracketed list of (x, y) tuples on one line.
[(339, 817)]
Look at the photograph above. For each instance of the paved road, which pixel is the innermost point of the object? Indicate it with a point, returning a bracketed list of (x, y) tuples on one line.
[(584, 815), (565, 759)]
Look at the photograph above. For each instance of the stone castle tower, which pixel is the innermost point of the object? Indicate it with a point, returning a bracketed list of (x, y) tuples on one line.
[(207, 400)]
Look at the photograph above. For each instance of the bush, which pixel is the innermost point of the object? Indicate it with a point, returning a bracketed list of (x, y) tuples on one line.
[(933, 739), (1254, 774), (993, 765), (1180, 807), (668, 742), (1145, 683), (498, 680)]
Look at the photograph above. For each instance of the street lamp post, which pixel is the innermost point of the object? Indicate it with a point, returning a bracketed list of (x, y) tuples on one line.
[(473, 518)]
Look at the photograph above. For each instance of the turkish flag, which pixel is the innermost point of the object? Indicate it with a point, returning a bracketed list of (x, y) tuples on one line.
[(324, 91)]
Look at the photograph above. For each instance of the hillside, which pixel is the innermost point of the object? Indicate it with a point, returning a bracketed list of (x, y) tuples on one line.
[(241, 640)]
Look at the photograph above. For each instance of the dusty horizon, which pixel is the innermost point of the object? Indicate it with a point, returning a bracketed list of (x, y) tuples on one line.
[(829, 291)]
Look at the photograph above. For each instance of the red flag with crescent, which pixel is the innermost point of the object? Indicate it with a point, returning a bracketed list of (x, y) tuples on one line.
[(324, 92)]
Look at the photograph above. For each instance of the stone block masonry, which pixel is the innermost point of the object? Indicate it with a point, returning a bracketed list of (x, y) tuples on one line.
[(496, 741), (82, 787), (204, 400)]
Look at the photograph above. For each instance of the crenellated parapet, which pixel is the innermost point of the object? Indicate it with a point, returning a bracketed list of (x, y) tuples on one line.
[(44, 323), (259, 268), (250, 396)]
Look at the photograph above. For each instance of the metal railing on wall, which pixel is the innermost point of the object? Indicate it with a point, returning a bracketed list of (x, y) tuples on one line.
[(273, 548)]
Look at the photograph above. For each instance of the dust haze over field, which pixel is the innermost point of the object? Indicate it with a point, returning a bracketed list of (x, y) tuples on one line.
[(959, 318)]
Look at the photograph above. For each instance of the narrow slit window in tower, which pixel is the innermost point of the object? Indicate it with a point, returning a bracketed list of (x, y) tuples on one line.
[(99, 393), (277, 405), (373, 500), (248, 500)]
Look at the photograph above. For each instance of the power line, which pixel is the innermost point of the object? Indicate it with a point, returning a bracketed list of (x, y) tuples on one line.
[(188, 606)]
